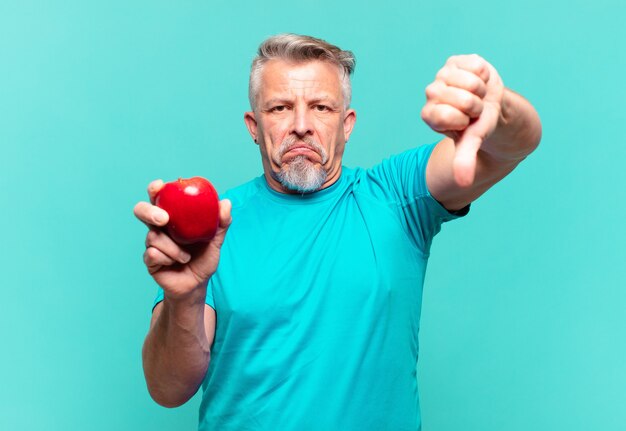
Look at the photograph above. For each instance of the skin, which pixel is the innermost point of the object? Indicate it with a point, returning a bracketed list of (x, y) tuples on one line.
[(176, 351), (300, 99), (489, 130)]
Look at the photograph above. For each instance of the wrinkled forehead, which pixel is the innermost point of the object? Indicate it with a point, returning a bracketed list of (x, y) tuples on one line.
[(280, 76)]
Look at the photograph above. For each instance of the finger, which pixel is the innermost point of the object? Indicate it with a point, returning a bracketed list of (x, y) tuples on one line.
[(166, 245), (444, 118), (225, 221), (153, 188), (225, 216), (472, 63), (151, 215), (455, 77), (464, 101), (205, 256), (155, 260), (434, 90), (464, 164)]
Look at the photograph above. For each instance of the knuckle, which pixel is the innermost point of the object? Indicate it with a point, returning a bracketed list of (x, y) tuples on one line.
[(446, 116), (477, 108), (443, 73), (152, 255), (432, 90), (427, 113), (424, 114), (454, 120), (439, 119), (146, 258), (474, 59), (151, 237), (461, 122), (153, 260), (466, 102), (472, 62), (474, 85), (452, 59)]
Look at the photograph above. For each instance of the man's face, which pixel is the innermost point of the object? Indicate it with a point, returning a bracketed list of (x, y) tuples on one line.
[(300, 124)]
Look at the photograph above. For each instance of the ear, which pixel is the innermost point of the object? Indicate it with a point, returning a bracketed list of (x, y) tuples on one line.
[(348, 123), (250, 119)]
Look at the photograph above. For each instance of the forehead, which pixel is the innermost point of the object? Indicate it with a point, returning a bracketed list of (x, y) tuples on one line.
[(280, 76)]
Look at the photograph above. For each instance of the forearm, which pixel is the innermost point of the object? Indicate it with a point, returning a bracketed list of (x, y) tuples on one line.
[(517, 134), (176, 351)]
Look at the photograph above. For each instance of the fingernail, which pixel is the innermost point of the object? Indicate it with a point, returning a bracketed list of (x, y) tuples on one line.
[(184, 257)]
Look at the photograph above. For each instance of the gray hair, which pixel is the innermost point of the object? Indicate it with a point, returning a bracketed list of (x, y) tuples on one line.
[(299, 48)]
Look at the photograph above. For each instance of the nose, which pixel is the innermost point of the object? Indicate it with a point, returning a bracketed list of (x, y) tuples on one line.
[(302, 121)]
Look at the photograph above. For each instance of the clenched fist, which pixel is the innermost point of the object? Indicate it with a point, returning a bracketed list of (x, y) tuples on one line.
[(464, 103)]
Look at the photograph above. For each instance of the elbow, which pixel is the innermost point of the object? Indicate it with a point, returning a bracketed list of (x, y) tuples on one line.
[(171, 388), (536, 131), (169, 399)]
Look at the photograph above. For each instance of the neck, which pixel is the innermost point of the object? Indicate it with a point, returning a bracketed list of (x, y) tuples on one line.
[(332, 178)]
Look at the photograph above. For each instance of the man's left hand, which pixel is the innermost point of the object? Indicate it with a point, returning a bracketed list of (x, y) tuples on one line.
[(464, 103)]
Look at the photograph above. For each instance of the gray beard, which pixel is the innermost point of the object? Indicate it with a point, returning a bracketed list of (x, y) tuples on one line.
[(301, 175)]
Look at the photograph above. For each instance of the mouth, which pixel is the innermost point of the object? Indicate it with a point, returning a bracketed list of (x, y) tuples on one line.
[(300, 150)]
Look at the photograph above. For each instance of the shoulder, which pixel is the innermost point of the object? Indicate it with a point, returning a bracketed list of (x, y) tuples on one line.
[(398, 177), (412, 160)]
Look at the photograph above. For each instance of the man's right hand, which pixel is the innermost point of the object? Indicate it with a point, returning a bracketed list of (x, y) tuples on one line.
[(179, 271)]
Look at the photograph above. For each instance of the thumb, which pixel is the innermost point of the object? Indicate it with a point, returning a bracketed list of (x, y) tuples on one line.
[(464, 164), (225, 221), (225, 216), (206, 255), (470, 141)]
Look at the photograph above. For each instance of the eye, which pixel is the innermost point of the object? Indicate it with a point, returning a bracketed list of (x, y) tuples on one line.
[(278, 108), (321, 108)]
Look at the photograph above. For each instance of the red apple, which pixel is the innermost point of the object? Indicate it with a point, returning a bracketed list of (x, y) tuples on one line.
[(193, 207)]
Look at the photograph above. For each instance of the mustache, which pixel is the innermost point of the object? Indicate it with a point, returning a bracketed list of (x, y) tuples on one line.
[(291, 141)]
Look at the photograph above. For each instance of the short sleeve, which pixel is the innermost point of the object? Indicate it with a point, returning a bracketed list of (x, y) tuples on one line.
[(401, 180)]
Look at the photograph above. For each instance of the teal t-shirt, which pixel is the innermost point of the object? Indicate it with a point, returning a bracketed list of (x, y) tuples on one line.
[(318, 301)]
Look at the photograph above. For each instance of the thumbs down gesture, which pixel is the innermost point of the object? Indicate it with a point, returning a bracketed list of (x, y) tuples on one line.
[(464, 103)]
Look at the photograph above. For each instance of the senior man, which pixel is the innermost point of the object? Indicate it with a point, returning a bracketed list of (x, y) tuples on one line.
[(310, 321)]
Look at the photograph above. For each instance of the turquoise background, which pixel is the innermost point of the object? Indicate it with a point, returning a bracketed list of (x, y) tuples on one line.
[(523, 323)]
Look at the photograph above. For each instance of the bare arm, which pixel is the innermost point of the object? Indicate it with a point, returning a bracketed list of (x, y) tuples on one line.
[(176, 351), (489, 128)]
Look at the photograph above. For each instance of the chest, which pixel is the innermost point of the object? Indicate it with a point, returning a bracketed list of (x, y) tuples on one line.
[(326, 265)]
